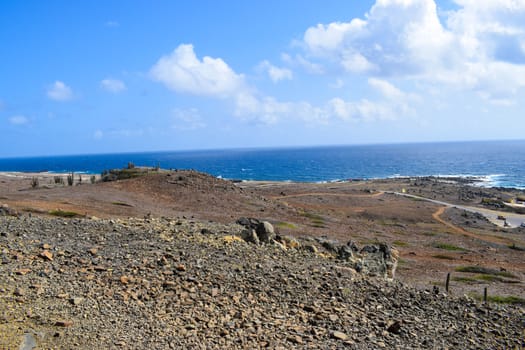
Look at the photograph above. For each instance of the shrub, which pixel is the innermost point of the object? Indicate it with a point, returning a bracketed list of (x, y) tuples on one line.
[(34, 182), (58, 180), (131, 165), (71, 179), (449, 247), (93, 179)]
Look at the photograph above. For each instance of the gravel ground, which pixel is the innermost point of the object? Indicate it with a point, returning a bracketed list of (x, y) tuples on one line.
[(175, 283)]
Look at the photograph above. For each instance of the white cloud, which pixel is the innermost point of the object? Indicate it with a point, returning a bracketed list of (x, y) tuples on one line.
[(59, 91), (187, 119), (113, 85), (18, 120), (276, 74), (182, 71), (299, 60), (480, 46)]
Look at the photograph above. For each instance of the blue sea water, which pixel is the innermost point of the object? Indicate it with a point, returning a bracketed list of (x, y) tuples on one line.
[(497, 163)]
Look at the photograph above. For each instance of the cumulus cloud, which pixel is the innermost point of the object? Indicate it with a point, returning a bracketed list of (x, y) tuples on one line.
[(59, 91), (187, 119), (113, 85), (276, 74), (183, 71), (18, 120), (479, 46)]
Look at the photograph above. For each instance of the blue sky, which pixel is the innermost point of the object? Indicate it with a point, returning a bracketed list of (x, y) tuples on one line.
[(119, 76)]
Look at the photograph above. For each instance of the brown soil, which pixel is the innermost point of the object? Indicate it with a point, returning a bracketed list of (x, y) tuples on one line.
[(432, 241)]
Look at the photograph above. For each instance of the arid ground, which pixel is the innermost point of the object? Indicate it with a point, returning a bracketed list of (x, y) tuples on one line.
[(432, 239)]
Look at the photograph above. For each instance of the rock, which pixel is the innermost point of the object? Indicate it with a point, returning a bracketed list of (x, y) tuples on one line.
[(180, 267), (310, 248), (378, 260), (76, 300), (328, 244), (339, 335), (289, 242), (296, 339), (23, 271), (250, 236), (19, 292), (206, 231), (46, 255), (265, 232), (93, 251), (124, 279), (394, 327), (64, 323), (345, 253)]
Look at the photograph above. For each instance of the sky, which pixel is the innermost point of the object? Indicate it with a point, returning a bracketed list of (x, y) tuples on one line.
[(107, 76)]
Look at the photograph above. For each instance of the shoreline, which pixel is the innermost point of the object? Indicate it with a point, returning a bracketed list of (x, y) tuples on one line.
[(467, 180)]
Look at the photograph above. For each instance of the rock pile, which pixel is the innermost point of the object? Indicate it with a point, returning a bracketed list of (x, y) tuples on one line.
[(372, 260)]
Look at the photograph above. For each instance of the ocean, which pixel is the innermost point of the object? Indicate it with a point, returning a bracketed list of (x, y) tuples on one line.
[(494, 163)]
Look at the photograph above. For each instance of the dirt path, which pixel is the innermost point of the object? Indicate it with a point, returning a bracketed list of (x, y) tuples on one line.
[(328, 194), (437, 216)]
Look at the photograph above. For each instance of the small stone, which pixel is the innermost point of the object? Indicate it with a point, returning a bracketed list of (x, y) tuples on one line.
[(333, 317), (394, 327), (46, 255), (93, 251), (339, 335), (296, 339), (19, 292), (310, 248), (64, 323), (214, 292), (76, 300), (46, 246), (180, 267), (23, 271), (124, 279)]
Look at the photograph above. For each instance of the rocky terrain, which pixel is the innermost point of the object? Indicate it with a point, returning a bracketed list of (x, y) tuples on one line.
[(164, 283), (181, 259)]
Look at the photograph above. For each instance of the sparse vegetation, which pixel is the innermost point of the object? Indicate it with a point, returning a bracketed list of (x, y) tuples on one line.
[(499, 299), (316, 220), (468, 280), (442, 256), (63, 213), (449, 247), (400, 243), (516, 247), (34, 182), (126, 173), (485, 271), (286, 225), (71, 179), (59, 180), (93, 179)]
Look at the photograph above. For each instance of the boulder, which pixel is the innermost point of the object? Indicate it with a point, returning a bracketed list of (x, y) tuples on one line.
[(378, 260), (265, 232), (250, 236)]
